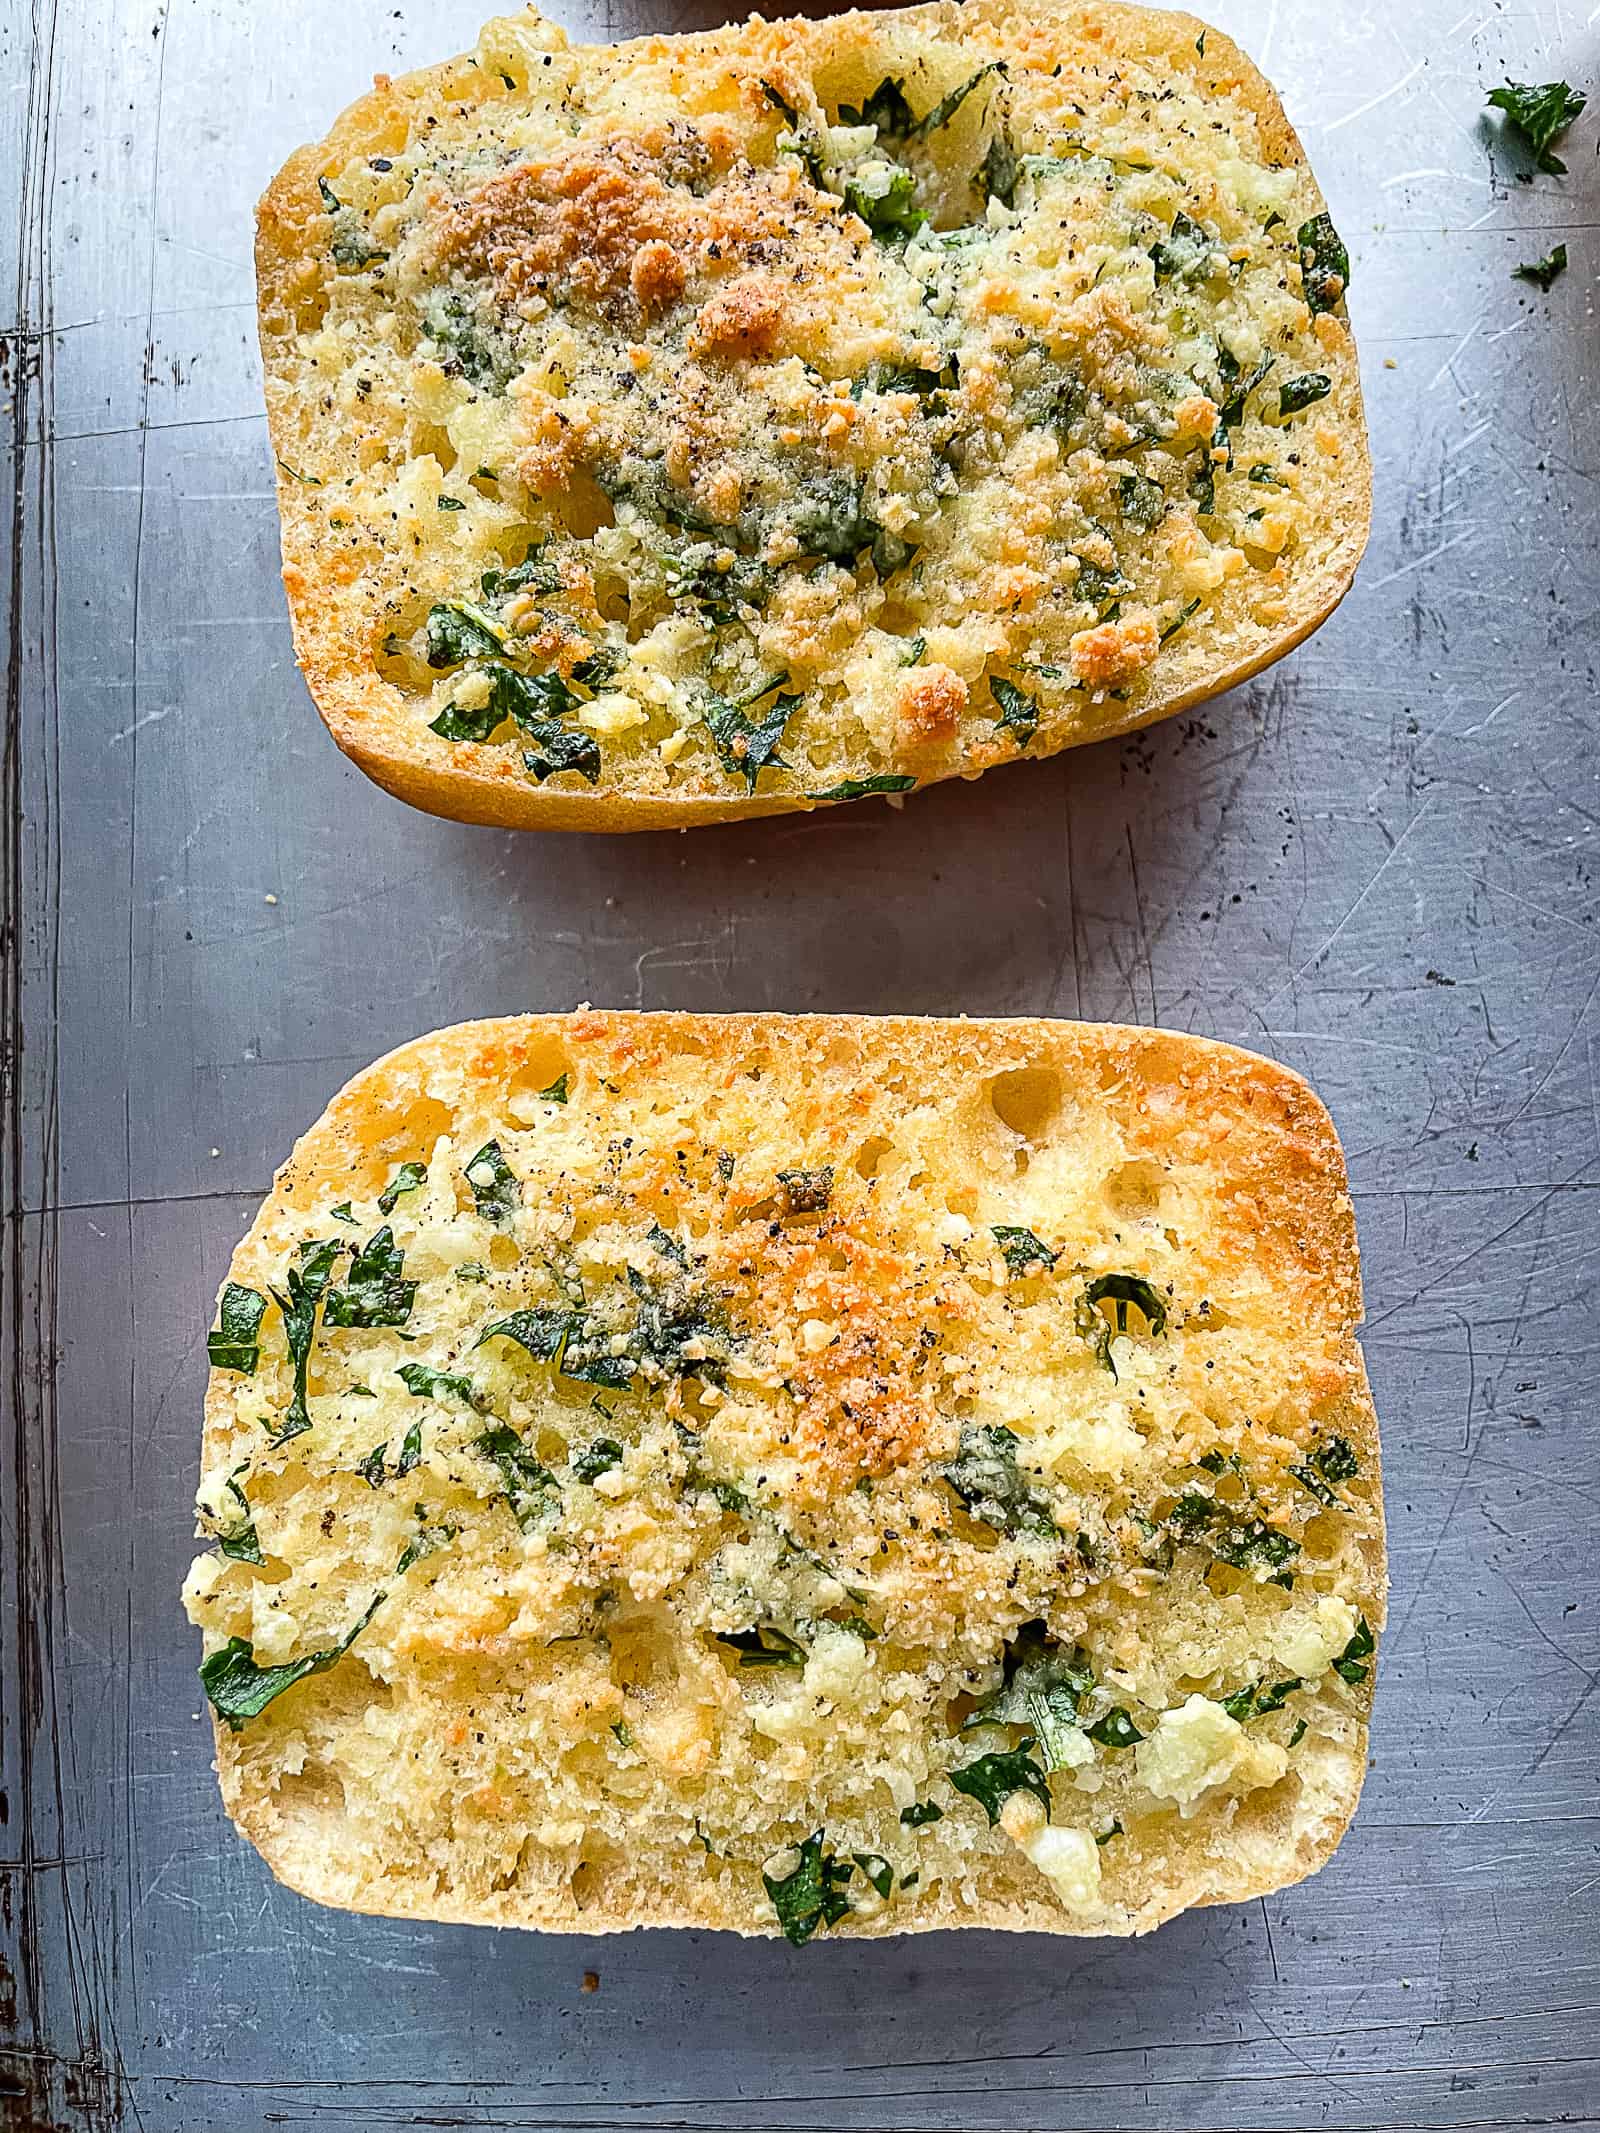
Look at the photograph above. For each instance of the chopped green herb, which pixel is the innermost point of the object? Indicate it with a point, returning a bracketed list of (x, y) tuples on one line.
[(1294, 394), (986, 1477), (305, 1284), (472, 1270), (1540, 112), (1543, 272), (238, 1542), (1184, 614), (374, 1293), (806, 1192), (811, 1895), (921, 1812), (884, 195), (344, 1212), (234, 1344), (1351, 1663), (558, 1091), (1299, 1733), (529, 1487), (763, 1646), (1021, 1249), (1185, 252), (914, 652), (878, 1871), (1115, 1830), (1019, 712), (406, 1179), (1238, 388), (667, 1245), (495, 1190), (776, 98), (864, 788), (886, 108), (1121, 1290), (239, 1690), (1256, 1700), (1144, 502), (597, 1459), (1000, 169), (1328, 1466), (449, 503), (1324, 263), (1115, 1730), (1253, 1545), (1045, 1687), (747, 746), (533, 574), (992, 1779), (542, 1331), (423, 1382), (623, 1731), (947, 106), (458, 631), (561, 748)]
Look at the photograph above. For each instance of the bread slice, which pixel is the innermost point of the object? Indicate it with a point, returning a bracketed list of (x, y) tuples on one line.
[(729, 424), (817, 1474)]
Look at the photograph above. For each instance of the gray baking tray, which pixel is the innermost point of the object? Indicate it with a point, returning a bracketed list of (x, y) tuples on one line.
[(1377, 862)]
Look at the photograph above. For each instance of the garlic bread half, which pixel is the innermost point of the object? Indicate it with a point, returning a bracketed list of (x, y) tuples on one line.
[(816, 1475), (727, 424)]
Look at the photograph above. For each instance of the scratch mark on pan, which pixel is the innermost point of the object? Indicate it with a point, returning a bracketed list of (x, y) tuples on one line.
[(1373, 102)]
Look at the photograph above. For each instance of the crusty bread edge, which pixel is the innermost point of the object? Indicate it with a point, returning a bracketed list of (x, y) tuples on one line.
[(347, 691), (1321, 1194)]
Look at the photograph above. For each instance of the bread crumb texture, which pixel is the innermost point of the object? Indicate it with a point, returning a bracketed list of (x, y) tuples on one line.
[(814, 1475), (720, 424)]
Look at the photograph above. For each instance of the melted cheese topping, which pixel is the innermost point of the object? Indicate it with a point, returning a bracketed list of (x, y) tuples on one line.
[(793, 392), (741, 1421)]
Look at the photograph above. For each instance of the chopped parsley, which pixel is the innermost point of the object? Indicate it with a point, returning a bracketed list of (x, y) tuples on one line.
[(1144, 502), (423, 1382), (806, 1192), (529, 1487), (763, 1646), (495, 1190), (986, 1477), (596, 1459), (239, 1690), (1328, 1466), (921, 1812), (747, 746), (1294, 394), (864, 788), (1045, 1687), (374, 1470), (1186, 251), (234, 1343), (877, 1870), (1324, 263), (1019, 712), (1256, 1700), (1021, 1249), (1543, 272), (305, 1284), (406, 1179), (1351, 1663), (558, 1091), (811, 1895), (373, 1293), (238, 1542), (458, 630), (992, 1779), (1185, 614), (1540, 112), (1115, 1730)]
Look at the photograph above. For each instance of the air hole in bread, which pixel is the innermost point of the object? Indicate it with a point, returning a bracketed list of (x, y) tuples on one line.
[(870, 1155), (1027, 1100), (1134, 1189)]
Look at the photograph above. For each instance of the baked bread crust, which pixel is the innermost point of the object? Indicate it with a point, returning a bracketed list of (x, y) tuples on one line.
[(1214, 1167), (347, 577)]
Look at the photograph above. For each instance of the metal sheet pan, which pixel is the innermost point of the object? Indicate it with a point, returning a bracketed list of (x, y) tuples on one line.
[(1377, 862)]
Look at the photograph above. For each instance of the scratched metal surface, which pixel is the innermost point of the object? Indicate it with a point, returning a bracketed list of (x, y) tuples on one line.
[(1377, 863)]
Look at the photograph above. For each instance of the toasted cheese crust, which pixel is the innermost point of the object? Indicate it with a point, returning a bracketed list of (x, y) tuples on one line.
[(718, 425), (808, 1474)]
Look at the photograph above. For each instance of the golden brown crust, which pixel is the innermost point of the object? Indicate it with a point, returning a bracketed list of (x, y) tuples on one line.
[(593, 216), (1189, 1124)]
